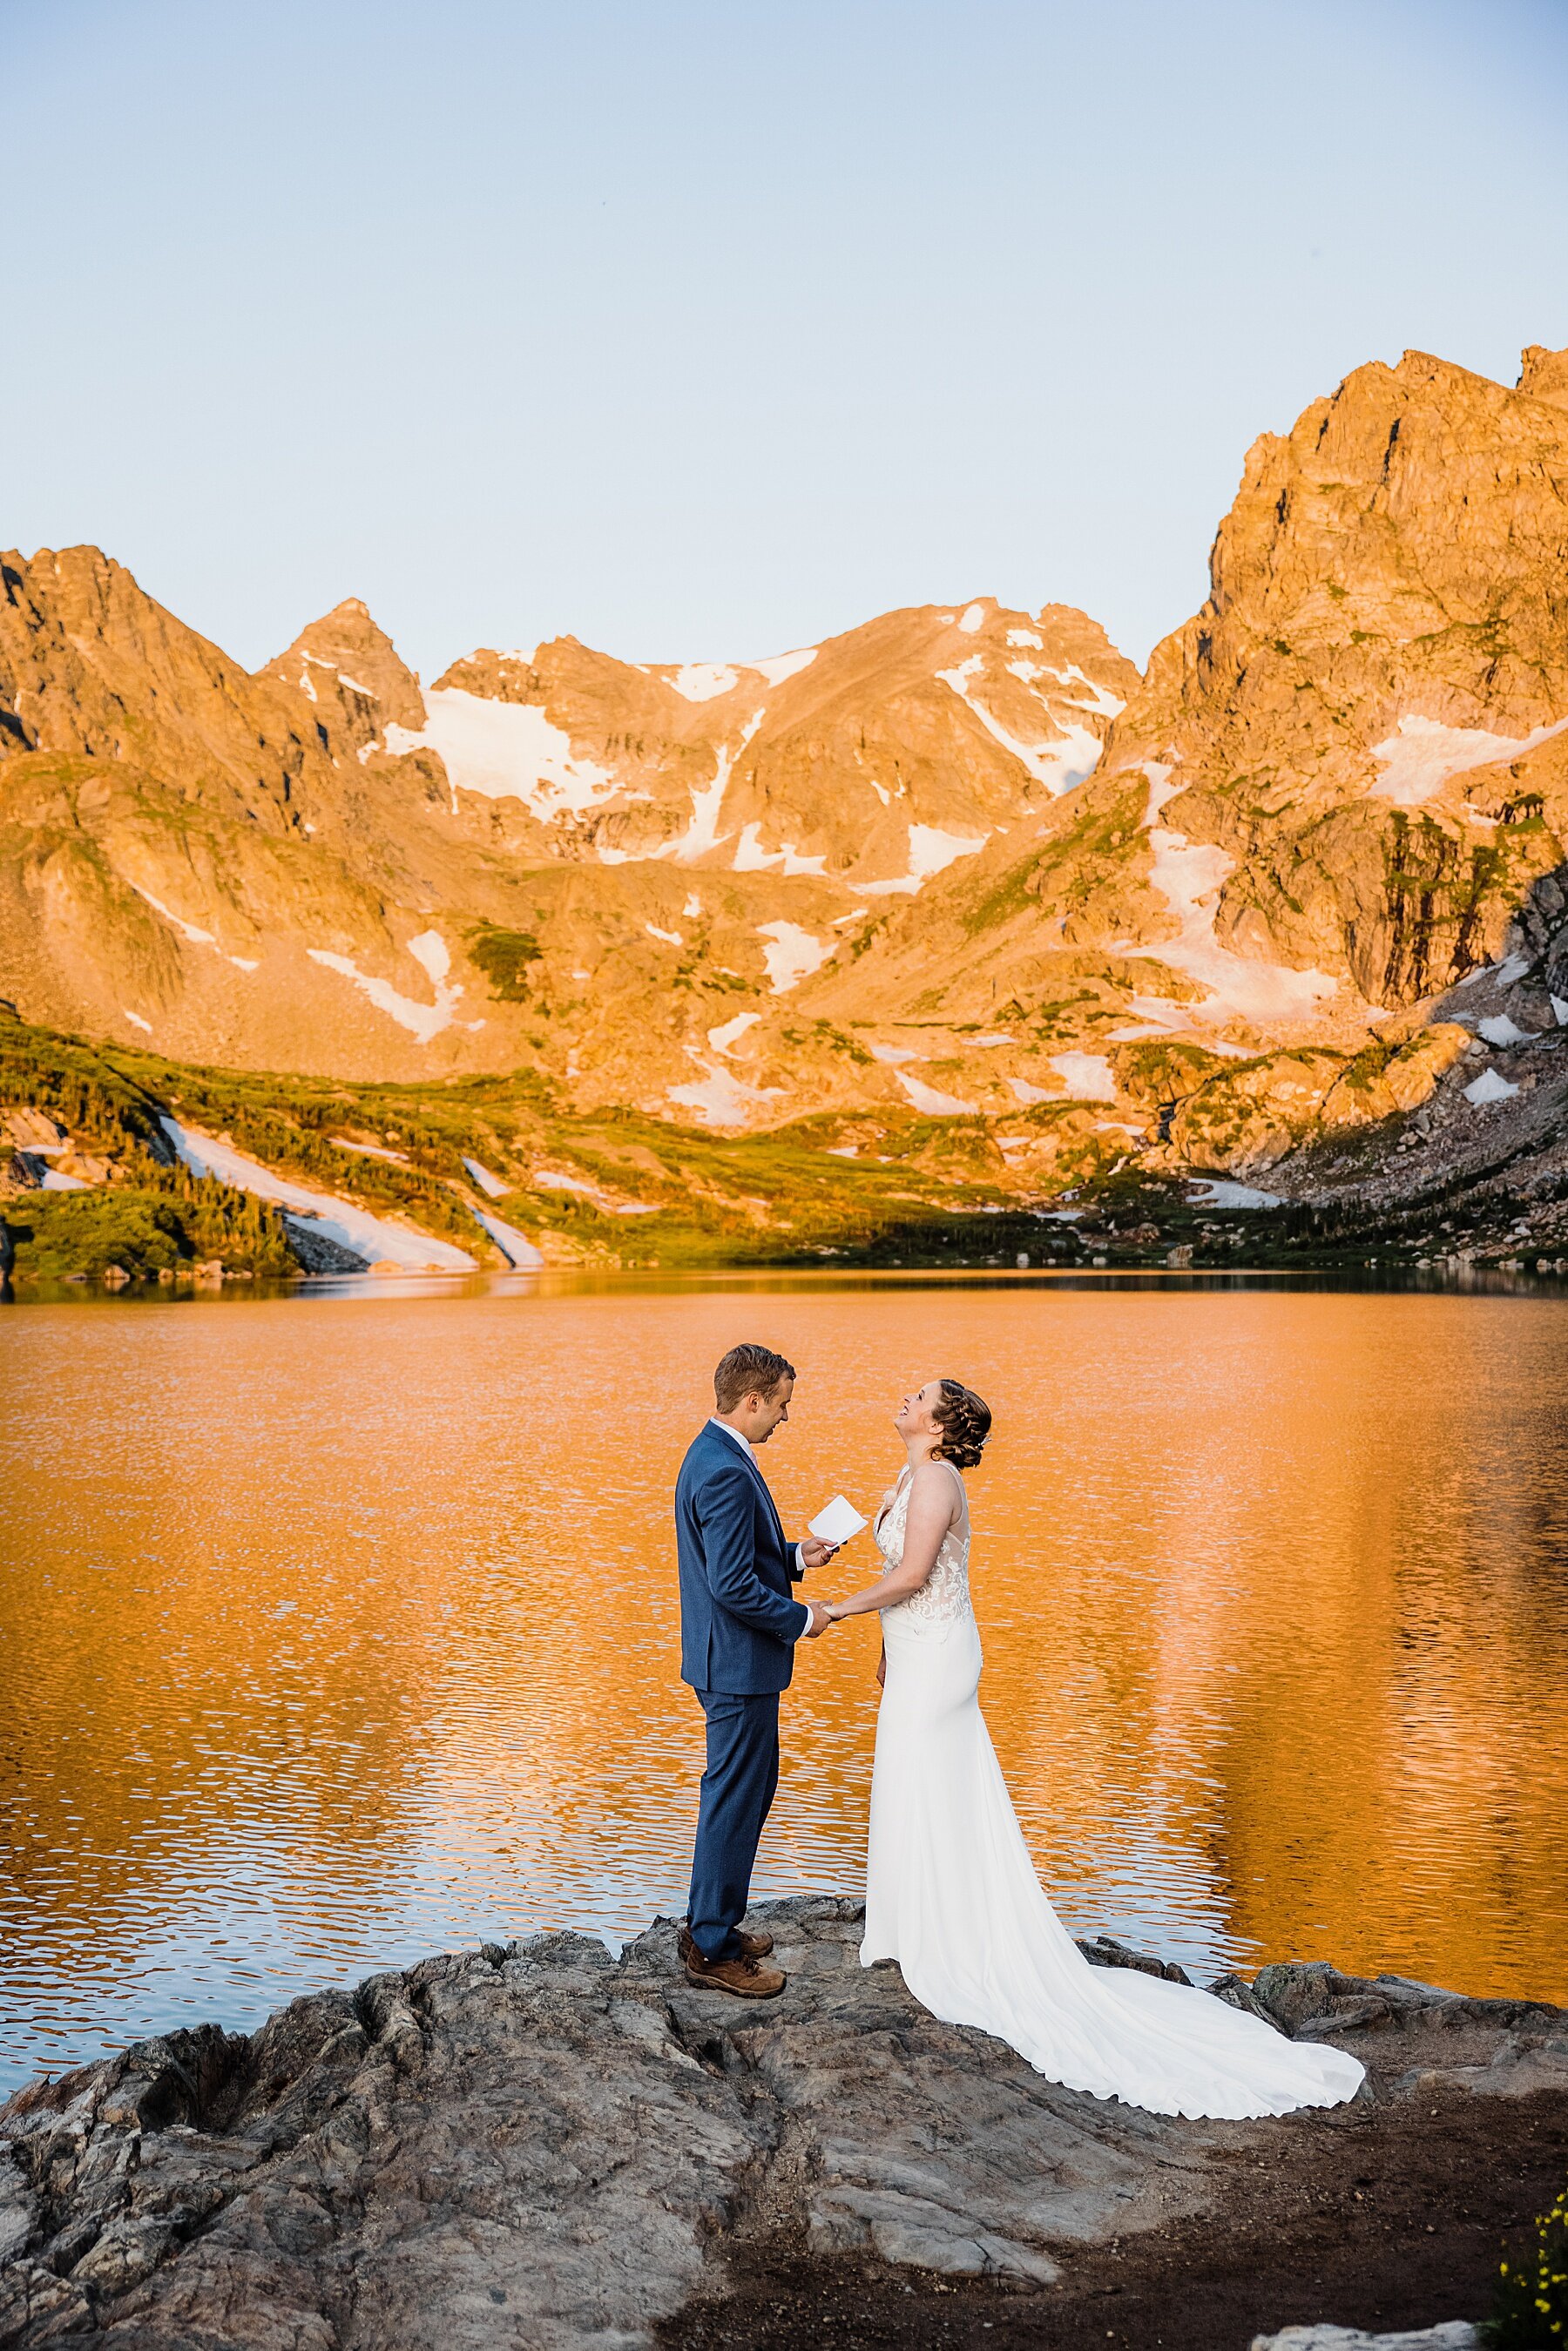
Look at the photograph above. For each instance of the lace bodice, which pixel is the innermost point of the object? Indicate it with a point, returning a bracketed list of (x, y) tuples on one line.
[(944, 1597)]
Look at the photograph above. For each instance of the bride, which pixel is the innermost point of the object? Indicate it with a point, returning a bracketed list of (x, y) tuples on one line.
[(951, 1892)]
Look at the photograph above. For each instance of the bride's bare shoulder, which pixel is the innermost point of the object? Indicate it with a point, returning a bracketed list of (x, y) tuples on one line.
[(930, 1479)]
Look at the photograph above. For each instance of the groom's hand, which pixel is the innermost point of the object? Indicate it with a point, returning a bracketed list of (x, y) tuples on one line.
[(815, 1552), (820, 1619)]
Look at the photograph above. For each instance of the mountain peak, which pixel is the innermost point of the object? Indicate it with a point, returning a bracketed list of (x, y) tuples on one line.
[(348, 658), (1543, 374)]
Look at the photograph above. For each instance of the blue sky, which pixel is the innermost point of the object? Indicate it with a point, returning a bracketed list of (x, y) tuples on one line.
[(703, 332)]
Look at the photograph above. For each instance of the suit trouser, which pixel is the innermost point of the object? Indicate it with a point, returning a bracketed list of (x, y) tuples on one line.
[(736, 1789)]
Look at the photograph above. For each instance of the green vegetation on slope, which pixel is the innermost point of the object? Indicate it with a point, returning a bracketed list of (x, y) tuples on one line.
[(504, 957), (147, 1229), (639, 1192)]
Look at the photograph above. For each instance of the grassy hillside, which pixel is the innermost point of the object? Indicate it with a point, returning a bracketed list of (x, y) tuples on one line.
[(629, 1190)]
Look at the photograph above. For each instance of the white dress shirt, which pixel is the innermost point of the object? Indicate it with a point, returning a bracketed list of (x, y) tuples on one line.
[(745, 1444)]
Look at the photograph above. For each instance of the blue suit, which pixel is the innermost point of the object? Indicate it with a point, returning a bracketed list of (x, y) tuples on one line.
[(738, 1630)]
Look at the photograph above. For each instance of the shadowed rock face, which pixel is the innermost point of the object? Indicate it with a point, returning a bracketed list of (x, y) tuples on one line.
[(539, 2146)]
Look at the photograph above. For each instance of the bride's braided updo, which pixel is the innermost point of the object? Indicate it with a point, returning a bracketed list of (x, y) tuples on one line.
[(965, 1421)]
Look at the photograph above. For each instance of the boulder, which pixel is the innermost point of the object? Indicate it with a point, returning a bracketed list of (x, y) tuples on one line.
[(1454, 2335), (1412, 1075)]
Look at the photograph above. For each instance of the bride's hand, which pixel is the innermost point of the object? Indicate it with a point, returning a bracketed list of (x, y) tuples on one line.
[(882, 1671)]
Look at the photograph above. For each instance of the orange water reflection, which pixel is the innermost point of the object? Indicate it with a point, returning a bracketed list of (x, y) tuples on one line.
[(336, 1631)]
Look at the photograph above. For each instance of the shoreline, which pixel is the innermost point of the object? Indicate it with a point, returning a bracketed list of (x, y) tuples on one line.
[(1373, 1279), (537, 2144)]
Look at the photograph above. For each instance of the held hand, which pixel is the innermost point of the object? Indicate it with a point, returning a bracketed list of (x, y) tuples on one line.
[(820, 1618), (815, 1552)]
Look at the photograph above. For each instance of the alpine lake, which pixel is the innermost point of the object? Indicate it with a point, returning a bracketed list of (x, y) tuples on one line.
[(338, 1627)]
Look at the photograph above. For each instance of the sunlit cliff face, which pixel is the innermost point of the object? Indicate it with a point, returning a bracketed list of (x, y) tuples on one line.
[(313, 1657)]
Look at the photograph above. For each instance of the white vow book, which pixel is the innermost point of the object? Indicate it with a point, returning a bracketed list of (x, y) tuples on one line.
[(838, 1521)]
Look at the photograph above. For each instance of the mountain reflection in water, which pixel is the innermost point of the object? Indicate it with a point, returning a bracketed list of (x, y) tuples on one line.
[(334, 1632)]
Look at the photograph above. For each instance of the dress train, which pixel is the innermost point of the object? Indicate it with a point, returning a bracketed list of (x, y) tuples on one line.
[(952, 1895)]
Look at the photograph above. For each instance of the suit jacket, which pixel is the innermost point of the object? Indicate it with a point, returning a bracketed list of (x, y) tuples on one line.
[(738, 1624)]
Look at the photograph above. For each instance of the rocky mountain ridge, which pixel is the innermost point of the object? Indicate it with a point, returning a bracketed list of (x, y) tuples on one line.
[(960, 863)]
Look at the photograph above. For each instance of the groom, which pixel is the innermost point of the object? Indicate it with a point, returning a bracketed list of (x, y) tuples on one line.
[(738, 1630)]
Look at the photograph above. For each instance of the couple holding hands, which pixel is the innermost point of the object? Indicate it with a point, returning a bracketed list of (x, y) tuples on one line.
[(951, 1890)]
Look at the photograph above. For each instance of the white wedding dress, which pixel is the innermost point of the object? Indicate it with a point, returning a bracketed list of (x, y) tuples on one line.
[(952, 1895)]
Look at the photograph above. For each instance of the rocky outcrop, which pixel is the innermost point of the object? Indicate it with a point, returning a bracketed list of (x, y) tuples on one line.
[(537, 2145), (349, 673), (1357, 717), (1340, 785)]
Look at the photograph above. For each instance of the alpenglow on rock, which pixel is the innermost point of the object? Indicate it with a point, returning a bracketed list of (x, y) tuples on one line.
[(960, 864)]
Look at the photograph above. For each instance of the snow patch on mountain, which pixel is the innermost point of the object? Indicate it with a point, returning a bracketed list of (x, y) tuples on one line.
[(193, 931), (422, 1020), (374, 1238), (931, 850), (485, 1181), (1101, 700), (782, 665), (707, 801), (1215, 1192), (512, 1244), (1059, 762), (931, 1102), (1087, 1076), (1420, 759), (703, 681), (1189, 875), (726, 1037), (368, 1150), (719, 1097), (1501, 1031), (750, 857), (505, 751), (431, 952), (792, 953)]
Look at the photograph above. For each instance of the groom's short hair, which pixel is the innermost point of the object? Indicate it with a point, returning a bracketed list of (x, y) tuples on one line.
[(748, 1370)]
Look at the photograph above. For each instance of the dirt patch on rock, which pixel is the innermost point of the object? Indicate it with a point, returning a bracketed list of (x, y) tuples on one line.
[(1395, 2219)]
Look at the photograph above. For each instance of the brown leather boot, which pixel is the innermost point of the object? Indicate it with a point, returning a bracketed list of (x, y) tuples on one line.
[(742, 1976), (756, 1946)]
